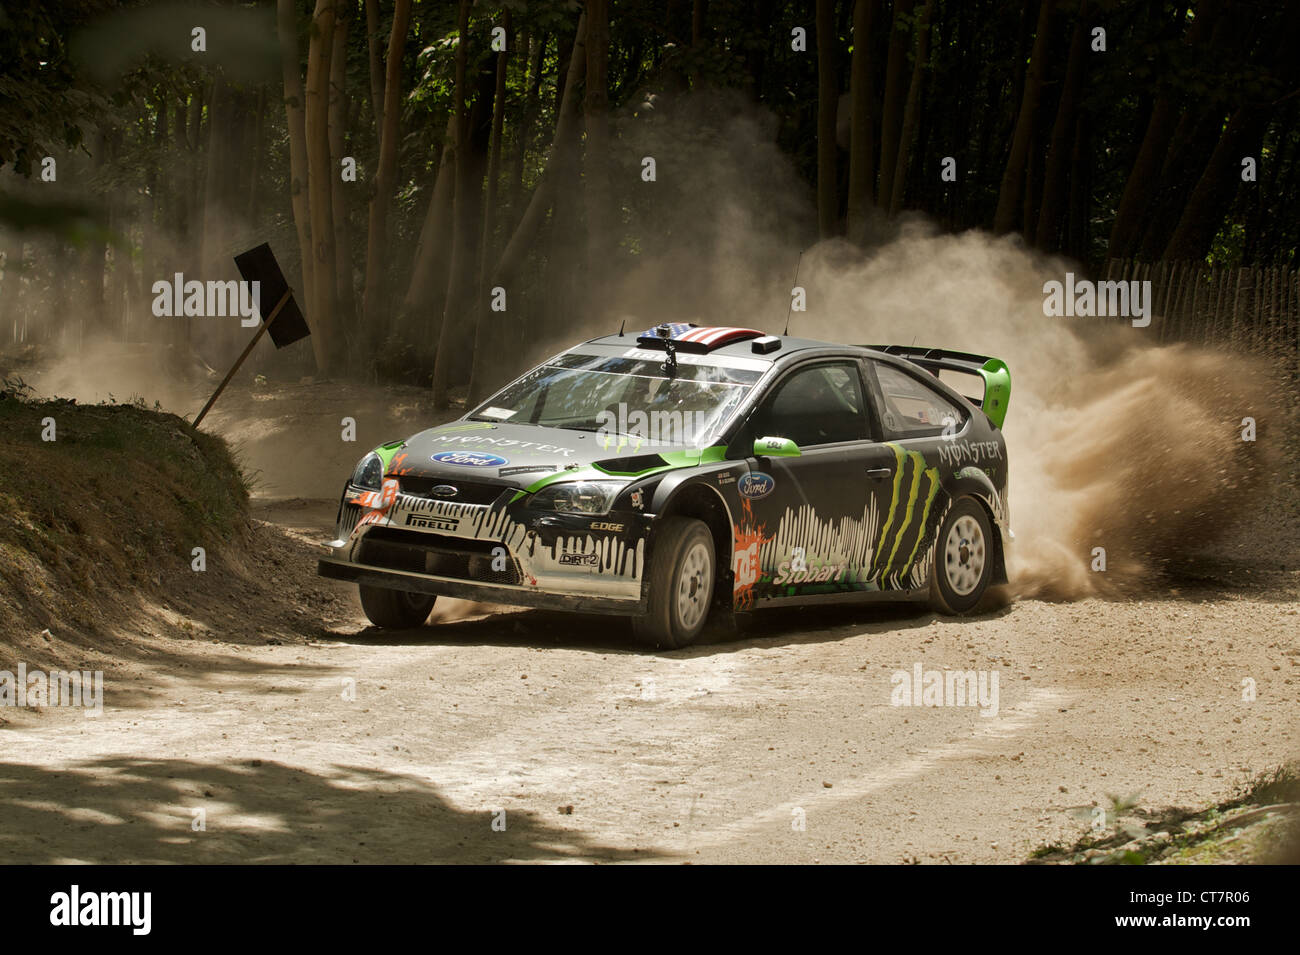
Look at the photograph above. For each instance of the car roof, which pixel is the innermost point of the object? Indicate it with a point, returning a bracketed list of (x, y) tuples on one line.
[(790, 345)]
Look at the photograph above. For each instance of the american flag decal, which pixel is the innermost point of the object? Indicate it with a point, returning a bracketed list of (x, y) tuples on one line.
[(696, 338)]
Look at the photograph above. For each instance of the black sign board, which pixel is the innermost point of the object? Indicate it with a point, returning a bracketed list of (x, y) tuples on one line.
[(259, 265)]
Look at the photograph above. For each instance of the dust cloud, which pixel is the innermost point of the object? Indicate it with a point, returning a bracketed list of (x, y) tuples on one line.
[(1114, 442)]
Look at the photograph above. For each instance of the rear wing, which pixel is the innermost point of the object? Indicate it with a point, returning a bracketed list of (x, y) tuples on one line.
[(992, 371)]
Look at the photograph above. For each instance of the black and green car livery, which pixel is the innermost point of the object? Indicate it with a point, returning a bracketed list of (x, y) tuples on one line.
[(693, 472)]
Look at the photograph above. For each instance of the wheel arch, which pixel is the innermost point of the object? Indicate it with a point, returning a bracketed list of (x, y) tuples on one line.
[(973, 483), (703, 502)]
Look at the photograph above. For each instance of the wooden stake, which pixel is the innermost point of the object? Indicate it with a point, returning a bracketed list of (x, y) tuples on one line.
[(248, 349)]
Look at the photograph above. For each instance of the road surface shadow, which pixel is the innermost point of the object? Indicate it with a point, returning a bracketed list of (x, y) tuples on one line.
[(608, 634), (125, 810)]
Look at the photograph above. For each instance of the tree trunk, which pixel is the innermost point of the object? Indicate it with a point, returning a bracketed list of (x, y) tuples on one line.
[(373, 58), (253, 195), (1079, 225), (1058, 150), (1217, 186), (426, 293), (319, 192), (912, 112), (377, 236), (1012, 193), (561, 148), (828, 94), (494, 149), (862, 147), (532, 105), (486, 331), (1243, 136), (596, 161), (287, 28), (1143, 179), (895, 91), (699, 26), (338, 110), (458, 287)]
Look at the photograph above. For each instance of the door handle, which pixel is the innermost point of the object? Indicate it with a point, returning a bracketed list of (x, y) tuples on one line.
[(878, 474)]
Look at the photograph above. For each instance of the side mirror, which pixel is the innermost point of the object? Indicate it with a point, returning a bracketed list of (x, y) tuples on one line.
[(775, 448)]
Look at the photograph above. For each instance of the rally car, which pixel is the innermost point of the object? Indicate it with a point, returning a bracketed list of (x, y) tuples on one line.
[(688, 473)]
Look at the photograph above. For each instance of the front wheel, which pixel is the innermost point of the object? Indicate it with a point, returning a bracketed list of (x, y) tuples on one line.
[(680, 576), (963, 558), (395, 609)]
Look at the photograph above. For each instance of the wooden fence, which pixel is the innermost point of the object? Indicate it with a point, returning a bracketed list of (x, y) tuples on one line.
[(1252, 308)]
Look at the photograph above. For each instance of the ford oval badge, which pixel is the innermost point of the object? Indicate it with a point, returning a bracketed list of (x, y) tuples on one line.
[(470, 459), (756, 484)]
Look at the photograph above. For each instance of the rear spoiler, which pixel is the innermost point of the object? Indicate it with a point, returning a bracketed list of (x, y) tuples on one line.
[(993, 371)]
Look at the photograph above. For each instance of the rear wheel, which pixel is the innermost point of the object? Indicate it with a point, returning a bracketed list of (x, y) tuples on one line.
[(395, 609), (680, 578), (963, 558)]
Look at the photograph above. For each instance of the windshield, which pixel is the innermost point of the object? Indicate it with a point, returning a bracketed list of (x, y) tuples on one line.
[(621, 396)]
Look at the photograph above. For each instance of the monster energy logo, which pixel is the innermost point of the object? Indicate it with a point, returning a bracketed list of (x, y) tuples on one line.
[(909, 470)]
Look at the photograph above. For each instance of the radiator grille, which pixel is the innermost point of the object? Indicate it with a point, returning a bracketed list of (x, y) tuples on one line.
[(438, 554), (467, 492)]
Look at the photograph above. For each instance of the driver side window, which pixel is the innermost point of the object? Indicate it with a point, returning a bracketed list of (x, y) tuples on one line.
[(820, 404)]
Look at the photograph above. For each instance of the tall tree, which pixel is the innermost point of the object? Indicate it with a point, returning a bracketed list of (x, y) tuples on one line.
[(912, 111), (562, 147), (338, 110), (377, 235), (596, 160), (891, 116), (460, 286), (828, 94), (426, 293), (1011, 195), (494, 148), (287, 30), (862, 147), (319, 193), (1143, 180), (1059, 147)]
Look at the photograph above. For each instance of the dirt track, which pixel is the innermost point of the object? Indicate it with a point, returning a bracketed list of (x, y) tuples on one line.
[(600, 753)]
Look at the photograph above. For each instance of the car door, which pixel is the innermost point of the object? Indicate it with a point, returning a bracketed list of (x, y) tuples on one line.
[(809, 524), (918, 424)]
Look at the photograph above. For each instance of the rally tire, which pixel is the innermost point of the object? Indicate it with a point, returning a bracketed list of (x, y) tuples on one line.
[(680, 577), (395, 609), (963, 558)]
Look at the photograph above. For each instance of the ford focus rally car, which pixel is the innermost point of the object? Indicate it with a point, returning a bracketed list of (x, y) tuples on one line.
[(689, 472)]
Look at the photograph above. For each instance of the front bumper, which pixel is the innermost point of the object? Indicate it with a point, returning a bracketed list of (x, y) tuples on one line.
[(496, 552), (515, 596)]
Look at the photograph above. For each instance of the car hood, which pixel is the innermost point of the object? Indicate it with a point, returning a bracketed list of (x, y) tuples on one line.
[(521, 454)]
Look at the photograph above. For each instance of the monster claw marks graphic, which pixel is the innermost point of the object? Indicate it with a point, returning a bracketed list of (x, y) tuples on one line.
[(913, 462), (931, 475), (917, 462), (893, 504)]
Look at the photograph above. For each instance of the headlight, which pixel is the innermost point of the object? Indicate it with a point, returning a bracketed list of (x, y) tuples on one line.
[(577, 497), (369, 473)]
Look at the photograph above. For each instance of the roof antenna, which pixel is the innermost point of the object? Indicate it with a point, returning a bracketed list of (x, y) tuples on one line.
[(621, 326), (796, 282)]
